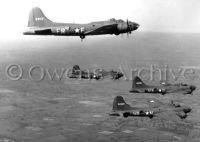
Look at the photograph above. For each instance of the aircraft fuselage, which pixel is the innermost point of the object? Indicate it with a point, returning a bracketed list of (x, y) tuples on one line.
[(188, 89), (39, 24), (138, 86)]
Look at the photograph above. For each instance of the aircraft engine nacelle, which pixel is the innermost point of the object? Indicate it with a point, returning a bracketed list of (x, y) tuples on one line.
[(122, 27), (182, 115)]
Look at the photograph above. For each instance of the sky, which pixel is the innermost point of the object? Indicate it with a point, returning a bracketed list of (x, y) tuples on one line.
[(152, 15)]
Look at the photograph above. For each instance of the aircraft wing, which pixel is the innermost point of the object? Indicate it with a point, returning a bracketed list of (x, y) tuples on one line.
[(167, 114), (165, 111), (154, 103), (102, 29)]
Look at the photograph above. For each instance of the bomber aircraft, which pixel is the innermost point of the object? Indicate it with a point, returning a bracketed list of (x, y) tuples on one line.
[(155, 109), (39, 24), (138, 86), (97, 74)]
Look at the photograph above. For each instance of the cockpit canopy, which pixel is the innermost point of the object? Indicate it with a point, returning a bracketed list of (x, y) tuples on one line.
[(112, 19), (117, 21), (120, 20)]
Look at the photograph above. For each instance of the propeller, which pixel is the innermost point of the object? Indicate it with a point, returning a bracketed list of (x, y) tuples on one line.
[(127, 35), (128, 28)]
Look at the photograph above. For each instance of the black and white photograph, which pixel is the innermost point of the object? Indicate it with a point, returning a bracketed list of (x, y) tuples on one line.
[(100, 71)]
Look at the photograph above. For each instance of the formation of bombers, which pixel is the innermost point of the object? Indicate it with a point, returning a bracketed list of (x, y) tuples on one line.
[(155, 107), (39, 24)]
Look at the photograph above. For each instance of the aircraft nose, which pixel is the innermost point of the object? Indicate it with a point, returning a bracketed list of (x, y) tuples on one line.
[(192, 87), (187, 110), (135, 26)]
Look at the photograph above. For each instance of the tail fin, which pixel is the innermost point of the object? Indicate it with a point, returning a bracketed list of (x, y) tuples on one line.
[(120, 104), (138, 83), (76, 69), (38, 19)]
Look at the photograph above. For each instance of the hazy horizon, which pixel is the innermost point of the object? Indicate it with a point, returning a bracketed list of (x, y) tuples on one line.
[(151, 46)]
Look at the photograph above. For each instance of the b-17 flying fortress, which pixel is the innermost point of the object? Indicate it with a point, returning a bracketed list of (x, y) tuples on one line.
[(121, 108), (39, 24), (97, 74), (138, 86)]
